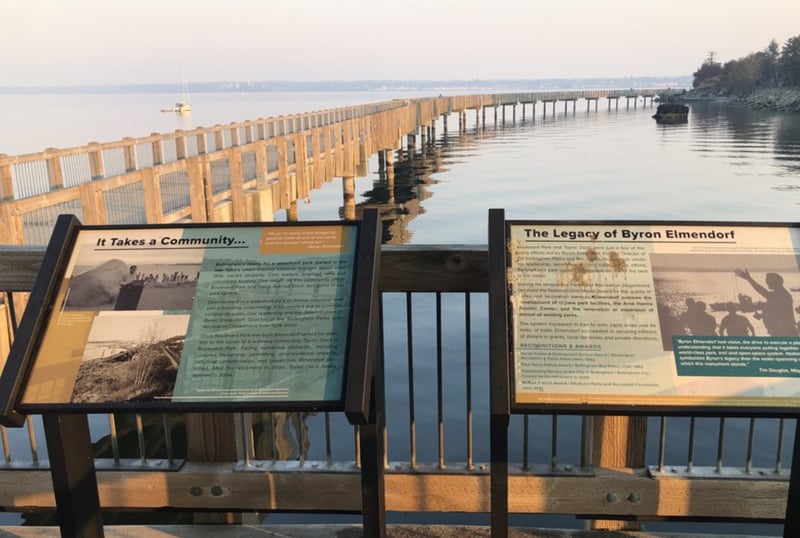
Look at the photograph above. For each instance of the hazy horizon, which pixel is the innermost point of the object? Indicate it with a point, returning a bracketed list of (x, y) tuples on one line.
[(96, 42), (368, 84)]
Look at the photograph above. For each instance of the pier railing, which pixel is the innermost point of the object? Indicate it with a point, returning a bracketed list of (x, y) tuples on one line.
[(241, 171), (437, 457)]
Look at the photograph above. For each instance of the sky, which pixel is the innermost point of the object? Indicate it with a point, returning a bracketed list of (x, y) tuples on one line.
[(76, 42)]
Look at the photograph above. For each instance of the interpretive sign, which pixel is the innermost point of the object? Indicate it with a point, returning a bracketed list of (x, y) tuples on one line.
[(653, 314), (195, 316)]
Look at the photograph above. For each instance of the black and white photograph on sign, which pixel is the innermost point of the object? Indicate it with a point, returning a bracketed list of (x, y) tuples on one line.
[(133, 280), (731, 295), (130, 357)]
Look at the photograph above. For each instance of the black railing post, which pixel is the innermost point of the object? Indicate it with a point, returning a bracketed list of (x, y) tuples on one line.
[(791, 525), (500, 400)]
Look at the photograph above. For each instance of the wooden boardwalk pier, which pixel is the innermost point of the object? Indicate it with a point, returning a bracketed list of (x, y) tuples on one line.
[(244, 171)]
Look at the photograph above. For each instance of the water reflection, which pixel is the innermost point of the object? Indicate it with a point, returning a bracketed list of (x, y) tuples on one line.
[(280, 436), (407, 179)]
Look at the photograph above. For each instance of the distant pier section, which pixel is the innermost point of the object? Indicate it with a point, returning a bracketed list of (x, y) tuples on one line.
[(247, 171)]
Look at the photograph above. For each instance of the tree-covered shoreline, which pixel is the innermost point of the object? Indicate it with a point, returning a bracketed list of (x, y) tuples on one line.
[(768, 79)]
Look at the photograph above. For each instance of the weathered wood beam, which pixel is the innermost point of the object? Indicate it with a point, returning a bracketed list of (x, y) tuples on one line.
[(609, 493)]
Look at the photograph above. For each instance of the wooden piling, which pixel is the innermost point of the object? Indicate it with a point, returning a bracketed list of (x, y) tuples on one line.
[(618, 443), (54, 173), (6, 182), (349, 197), (180, 145), (96, 168)]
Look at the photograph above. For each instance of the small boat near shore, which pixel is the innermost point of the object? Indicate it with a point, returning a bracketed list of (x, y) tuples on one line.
[(182, 105), (179, 107)]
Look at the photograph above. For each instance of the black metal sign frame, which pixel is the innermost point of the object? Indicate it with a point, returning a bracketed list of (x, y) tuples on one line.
[(172, 280), (66, 424), (504, 394)]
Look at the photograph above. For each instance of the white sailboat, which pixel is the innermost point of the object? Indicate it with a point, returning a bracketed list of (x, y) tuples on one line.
[(183, 104)]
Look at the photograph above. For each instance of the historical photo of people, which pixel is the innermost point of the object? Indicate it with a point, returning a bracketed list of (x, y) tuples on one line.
[(731, 295), (133, 280), (130, 357)]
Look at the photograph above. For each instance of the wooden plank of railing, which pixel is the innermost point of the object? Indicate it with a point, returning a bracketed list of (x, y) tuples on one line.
[(216, 486), (54, 173), (152, 196), (6, 182), (237, 183)]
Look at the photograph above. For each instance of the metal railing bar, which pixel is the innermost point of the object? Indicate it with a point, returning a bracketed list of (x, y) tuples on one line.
[(381, 357), (468, 360), (690, 455), (779, 454), (412, 425), (140, 435), (720, 442), (662, 442), (748, 468), (525, 442), (167, 440), (274, 433), (587, 441), (301, 437), (12, 313), (357, 433), (6, 446), (32, 439), (328, 452), (554, 444), (112, 428), (439, 380)]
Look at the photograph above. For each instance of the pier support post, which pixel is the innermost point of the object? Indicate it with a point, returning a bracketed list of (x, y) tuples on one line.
[(6, 182), (158, 149), (618, 442), (54, 172), (96, 168), (291, 212), (349, 197), (390, 182)]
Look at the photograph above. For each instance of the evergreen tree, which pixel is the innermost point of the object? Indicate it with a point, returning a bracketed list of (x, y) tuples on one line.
[(769, 68), (789, 63), (709, 74), (744, 74)]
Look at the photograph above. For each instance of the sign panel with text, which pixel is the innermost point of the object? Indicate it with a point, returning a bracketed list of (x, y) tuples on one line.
[(198, 315), (654, 314)]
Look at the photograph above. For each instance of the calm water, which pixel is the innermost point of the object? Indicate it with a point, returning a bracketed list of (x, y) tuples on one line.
[(724, 164)]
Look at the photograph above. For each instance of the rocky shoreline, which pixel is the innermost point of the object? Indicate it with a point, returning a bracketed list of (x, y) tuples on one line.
[(777, 99), (780, 99)]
